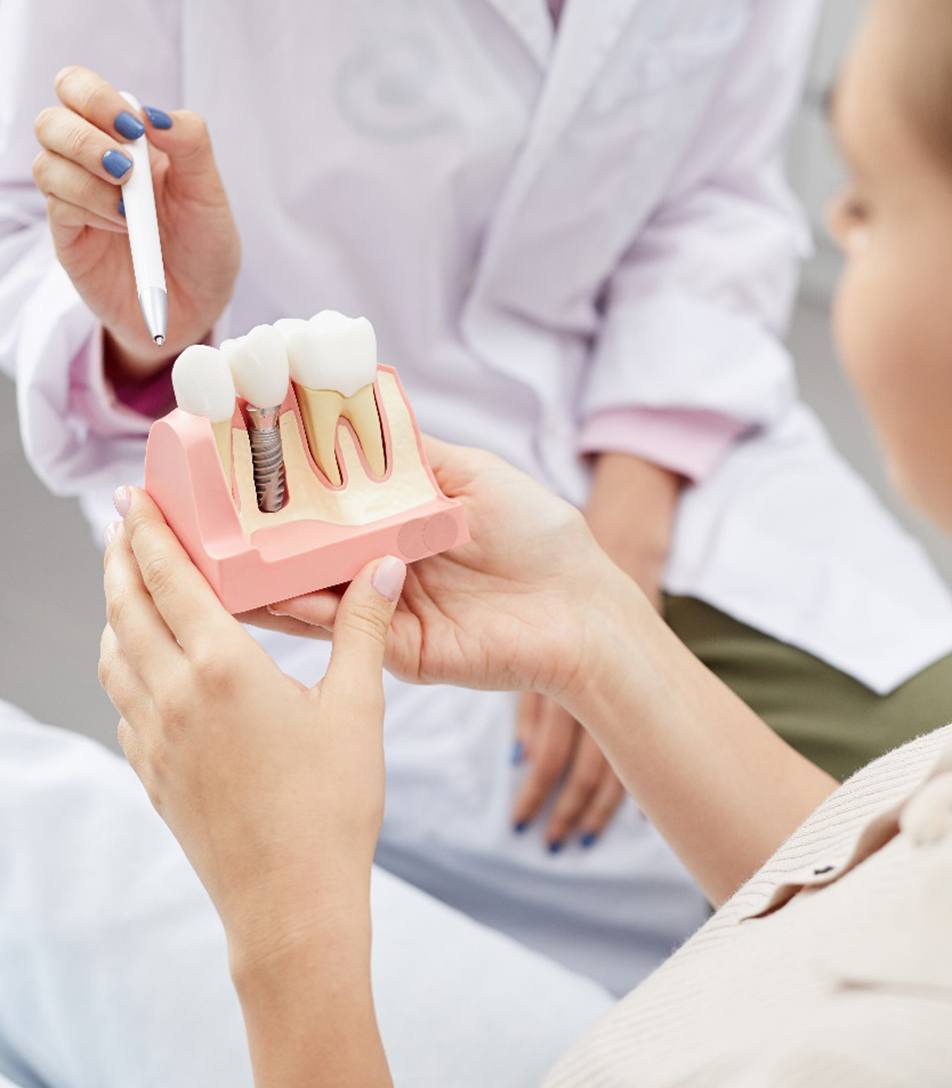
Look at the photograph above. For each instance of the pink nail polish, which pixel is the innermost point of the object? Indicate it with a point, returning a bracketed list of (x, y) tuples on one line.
[(389, 577), (112, 531), (122, 500)]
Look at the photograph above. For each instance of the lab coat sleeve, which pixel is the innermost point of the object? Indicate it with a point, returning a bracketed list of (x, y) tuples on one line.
[(697, 307), (689, 443), (71, 423)]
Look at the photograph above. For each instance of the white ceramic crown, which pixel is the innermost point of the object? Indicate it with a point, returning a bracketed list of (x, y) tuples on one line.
[(288, 325), (203, 385), (334, 352), (259, 365)]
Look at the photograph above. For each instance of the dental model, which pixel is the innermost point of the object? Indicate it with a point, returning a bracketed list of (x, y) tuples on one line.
[(305, 483), (203, 386), (333, 360), (259, 366)]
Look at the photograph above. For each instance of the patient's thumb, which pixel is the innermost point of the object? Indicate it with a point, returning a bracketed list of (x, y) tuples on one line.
[(363, 620)]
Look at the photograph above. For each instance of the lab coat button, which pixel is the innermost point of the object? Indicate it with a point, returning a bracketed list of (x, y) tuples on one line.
[(927, 818)]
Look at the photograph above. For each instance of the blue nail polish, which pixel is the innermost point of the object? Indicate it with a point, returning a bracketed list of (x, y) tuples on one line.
[(122, 208), (157, 118), (521, 827), (517, 753), (555, 847), (128, 126), (116, 163), (589, 839)]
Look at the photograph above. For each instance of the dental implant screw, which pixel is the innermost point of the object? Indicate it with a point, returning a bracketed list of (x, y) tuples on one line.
[(267, 457)]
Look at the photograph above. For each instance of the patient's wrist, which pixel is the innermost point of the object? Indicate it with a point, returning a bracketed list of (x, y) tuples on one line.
[(614, 620), (308, 1005), (277, 947)]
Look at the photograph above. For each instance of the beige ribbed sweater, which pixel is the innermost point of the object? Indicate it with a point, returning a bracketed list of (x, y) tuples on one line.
[(848, 983)]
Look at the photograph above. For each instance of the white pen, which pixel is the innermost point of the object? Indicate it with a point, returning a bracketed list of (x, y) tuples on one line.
[(138, 200)]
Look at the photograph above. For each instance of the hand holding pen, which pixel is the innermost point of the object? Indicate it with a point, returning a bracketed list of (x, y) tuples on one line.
[(88, 154)]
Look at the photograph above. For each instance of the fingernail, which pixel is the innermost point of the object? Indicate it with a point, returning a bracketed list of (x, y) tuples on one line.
[(157, 118), (112, 531), (122, 208), (589, 839), (122, 500), (274, 611), (555, 847), (389, 577), (116, 163), (521, 828), (128, 126), (517, 753)]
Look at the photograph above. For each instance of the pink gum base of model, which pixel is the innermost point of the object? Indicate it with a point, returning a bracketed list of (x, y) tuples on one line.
[(183, 474)]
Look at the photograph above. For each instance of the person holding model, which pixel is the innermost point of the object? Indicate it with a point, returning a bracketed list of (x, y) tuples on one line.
[(570, 225), (831, 961)]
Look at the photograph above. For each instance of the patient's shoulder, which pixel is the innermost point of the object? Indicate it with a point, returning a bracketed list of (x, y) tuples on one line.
[(836, 824)]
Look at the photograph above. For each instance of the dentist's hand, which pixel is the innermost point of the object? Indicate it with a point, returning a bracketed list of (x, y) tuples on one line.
[(518, 608), (80, 169), (274, 791)]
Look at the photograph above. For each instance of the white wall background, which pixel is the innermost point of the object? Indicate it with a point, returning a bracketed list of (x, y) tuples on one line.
[(50, 598)]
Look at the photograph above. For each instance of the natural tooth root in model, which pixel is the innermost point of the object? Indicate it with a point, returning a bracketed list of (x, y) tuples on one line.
[(259, 365), (333, 361), (203, 386)]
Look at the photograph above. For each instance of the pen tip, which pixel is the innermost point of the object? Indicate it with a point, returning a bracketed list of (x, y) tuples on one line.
[(155, 312)]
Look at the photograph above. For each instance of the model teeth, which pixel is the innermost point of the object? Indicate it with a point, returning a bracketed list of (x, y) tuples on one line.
[(259, 365), (288, 325), (203, 386), (333, 361), (202, 383), (339, 353)]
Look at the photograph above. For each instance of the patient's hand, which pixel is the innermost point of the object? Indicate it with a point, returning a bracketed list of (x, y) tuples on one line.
[(511, 610), (631, 511), (274, 791)]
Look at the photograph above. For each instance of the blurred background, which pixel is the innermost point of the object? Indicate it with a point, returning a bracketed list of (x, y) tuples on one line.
[(50, 601)]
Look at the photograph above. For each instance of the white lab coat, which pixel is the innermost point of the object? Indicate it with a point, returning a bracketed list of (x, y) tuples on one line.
[(540, 227)]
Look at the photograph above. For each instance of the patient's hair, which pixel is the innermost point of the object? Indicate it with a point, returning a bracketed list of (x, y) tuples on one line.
[(926, 75)]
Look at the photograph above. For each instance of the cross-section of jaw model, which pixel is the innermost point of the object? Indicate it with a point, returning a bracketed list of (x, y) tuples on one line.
[(277, 488), (334, 364)]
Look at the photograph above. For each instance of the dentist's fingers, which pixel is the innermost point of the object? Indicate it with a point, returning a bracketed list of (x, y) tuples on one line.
[(92, 98), (361, 629), (553, 742), (527, 717), (589, 768), (64, 133), (68, 182), (140, 632), (184, 599), (183, 136), (602, 808), (66, 220)]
